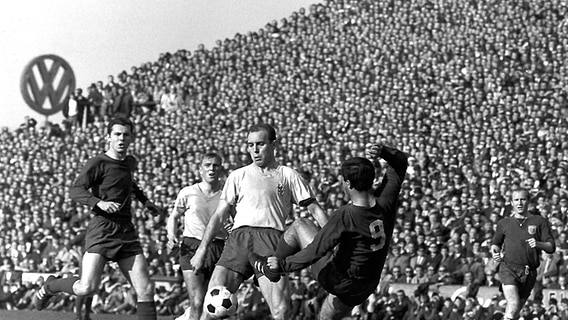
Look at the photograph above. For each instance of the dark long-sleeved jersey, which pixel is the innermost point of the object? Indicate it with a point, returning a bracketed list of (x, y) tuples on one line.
[(107, 179), (362, 235)]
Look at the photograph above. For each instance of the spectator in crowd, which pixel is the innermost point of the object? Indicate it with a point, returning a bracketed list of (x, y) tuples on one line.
[(315, 295), (168, 299), (397, 258), (171, 101), (401, 305), (107, 106), (420, 259), (298, 294), (491, 279), (123, 104), (120, 300), (397, 275), (434, 258), (95, 101), (419, 275), (74, 108), (407, 276)]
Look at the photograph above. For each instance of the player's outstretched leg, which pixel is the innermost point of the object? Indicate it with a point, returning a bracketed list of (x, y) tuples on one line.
[(298, 235), (44, 294)]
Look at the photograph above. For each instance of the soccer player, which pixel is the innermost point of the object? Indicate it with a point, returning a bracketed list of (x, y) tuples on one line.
[(522, 236), (196, 204), (349, 252), (106, 185), (262, 194)]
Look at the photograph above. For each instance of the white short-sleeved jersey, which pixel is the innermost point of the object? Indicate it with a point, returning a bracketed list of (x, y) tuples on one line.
[(198, 209), (264, 199)]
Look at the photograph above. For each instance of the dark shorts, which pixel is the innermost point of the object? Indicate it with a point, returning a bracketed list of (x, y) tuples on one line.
[(241, 241), (187, 251), (517, 276), (350, 291), (115, 241)]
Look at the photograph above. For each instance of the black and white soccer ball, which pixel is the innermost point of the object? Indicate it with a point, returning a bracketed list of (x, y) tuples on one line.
[(220, 303)]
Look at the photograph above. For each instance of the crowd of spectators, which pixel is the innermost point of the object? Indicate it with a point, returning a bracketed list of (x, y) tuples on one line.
[(473, 90)]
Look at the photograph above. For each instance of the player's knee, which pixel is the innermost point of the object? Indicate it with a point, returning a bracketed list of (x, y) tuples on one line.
[(147, 289), (513, 307), (196, 303), (84, 288), (296, 228), (281, 312), (304, 223)]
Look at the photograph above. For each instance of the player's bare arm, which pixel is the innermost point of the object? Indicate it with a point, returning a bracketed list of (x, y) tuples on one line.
[(155, 210), (172, 226), (217, 221), (548, 247)]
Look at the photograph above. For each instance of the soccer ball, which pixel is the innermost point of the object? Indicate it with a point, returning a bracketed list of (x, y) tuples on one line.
[(220, 303)]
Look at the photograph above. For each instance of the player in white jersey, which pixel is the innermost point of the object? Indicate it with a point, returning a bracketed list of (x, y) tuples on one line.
[(263, 194), (196, 204)]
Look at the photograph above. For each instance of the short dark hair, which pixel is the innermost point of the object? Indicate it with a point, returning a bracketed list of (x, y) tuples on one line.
[(120, 121), (266, 128), (360, 172)]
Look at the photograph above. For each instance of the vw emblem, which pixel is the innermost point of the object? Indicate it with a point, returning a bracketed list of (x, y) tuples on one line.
[(46, 83)]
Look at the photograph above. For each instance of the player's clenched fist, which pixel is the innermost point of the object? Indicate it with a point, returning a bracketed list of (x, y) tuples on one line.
[(496, 256), (373, 150), (531, 242), (108, 206)]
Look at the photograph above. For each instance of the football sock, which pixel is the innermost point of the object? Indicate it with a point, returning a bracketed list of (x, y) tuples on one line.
[(88, 304), (283, 249), (79, 305), (62, 285), (147, 310)]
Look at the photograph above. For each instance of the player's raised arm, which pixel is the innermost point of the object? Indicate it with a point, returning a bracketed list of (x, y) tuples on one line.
[(395, 158), (389, 189)]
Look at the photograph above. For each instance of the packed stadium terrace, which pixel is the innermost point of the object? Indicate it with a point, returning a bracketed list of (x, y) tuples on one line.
[(473, 90)]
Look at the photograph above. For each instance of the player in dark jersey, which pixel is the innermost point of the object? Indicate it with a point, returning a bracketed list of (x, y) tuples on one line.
[(522, 236), (349, 252), (106, 185)]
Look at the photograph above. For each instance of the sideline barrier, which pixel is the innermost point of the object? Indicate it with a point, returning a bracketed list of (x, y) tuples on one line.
[(484, 295), (166, 282)]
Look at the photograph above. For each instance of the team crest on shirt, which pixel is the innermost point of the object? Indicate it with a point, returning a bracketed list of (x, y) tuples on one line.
[(532, 229), (280, 189)]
